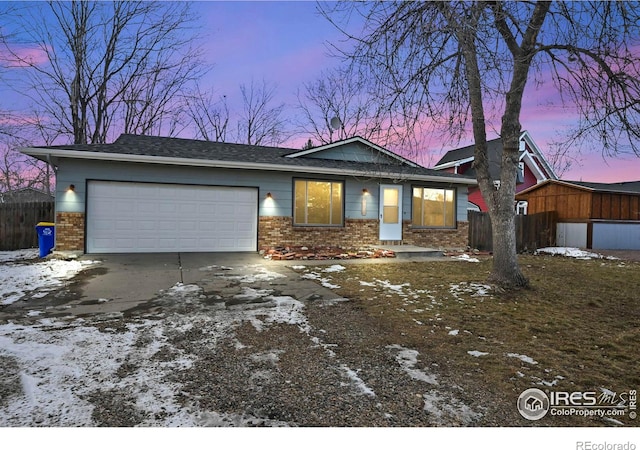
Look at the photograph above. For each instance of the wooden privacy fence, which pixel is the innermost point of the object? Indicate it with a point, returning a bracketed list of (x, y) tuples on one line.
[(532, 231), (18, 223)]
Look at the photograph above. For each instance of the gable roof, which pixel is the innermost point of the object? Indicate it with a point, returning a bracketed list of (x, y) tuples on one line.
[(355, 139), (464, 155), (625, 187), (190, 152)]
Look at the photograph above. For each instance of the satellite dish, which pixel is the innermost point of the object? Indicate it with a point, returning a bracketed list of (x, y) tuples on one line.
[(336, 124)]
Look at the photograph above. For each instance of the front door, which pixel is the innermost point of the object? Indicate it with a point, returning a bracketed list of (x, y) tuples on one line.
[(390, 212)]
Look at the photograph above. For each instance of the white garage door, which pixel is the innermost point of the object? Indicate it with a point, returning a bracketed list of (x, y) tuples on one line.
[(148, 218)]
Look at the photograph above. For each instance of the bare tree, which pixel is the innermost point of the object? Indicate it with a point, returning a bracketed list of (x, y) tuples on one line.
[(209, 114), (461, 64), (337, 106), (19, 171), (343, 103), (260, 123), (104, 66)]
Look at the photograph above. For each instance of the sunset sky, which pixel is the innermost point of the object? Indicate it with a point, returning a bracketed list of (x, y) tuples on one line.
[(286, 43)]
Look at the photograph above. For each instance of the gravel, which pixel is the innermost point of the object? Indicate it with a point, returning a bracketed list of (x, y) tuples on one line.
[(225, 355)]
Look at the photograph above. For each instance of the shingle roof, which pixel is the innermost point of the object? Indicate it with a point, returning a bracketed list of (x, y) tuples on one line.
[(191, 149), (494, 152), (625, 186)]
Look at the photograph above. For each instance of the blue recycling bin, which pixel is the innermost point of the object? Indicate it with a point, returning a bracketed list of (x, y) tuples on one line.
[(46, 237)]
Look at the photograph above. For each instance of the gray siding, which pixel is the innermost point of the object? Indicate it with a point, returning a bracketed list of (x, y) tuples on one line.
[(353, 152), (279, 184)]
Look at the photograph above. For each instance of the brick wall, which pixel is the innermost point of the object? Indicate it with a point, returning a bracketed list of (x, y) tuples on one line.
[(279, 232), (69, 231), (436, 238)]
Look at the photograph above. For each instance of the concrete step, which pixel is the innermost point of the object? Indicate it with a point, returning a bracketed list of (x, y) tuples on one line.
[(413, 251)]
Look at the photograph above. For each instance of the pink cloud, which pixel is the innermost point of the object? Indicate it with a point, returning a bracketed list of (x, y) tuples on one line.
[(18, 57)]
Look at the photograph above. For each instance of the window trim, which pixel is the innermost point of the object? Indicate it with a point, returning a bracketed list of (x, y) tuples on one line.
[(455, 208), (317, 225)]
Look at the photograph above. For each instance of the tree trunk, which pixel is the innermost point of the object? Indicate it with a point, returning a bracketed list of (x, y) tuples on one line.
[(506, 271)]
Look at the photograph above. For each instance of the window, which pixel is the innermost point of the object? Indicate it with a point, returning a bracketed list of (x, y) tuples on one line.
[(520, 175), (434, 207), (318, 203), (521, 208)]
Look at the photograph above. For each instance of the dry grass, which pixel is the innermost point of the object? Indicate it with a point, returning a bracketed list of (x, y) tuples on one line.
[(580, 323)]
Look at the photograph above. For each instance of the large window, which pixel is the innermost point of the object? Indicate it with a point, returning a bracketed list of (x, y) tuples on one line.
[(318, 203), (434, 207)]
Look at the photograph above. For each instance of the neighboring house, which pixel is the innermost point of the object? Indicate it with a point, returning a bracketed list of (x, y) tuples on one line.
[(157, 194), (25, 195), (590, 215), (533, 168)]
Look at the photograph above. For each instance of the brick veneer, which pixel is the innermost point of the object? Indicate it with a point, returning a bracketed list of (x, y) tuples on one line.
[(69, 231), (277, 231), (436, 237)]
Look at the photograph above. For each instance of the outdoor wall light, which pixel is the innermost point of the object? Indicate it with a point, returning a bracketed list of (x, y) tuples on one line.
[(269, 196), (365, 191), (72, 188)]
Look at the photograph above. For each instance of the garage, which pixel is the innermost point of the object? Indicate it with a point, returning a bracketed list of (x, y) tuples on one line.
[(599, 216), (126, 217)]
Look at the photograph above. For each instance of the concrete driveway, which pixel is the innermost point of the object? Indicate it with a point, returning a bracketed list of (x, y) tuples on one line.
[(122, 282)]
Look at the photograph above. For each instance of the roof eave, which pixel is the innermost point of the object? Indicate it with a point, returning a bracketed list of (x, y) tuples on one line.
[(457, 162), (120, 157)]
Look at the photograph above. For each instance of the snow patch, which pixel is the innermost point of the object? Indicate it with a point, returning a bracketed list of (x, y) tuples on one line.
[(465, 257), (19, 279), (335, 268), (19, 255), (360, 385), (572, 252), (448, 411), (477, 353), (523, 358), (407, 359)]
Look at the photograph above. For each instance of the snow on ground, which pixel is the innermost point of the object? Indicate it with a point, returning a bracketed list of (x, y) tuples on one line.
[(14, 255), (572, 252), (443, 408), (407, 359), (477, 353), (471, 289), (324, 281), (465, 257), (335, 268), (360, 385), (523, 358), (19, 275), (61, 364)]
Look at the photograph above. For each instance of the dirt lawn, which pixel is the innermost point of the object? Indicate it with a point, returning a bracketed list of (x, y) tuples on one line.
[(413, 344)]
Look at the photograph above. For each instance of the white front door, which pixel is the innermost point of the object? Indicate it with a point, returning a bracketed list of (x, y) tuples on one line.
[(390, 212)]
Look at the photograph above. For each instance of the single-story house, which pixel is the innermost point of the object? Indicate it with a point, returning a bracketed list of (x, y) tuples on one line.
[(590, 215), (533, 168), (159, 194)]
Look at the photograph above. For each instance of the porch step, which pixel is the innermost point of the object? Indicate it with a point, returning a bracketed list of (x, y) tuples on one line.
[(413, 251)]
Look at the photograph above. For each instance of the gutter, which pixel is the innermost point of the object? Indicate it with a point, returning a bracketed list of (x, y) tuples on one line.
[(35, 151)]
